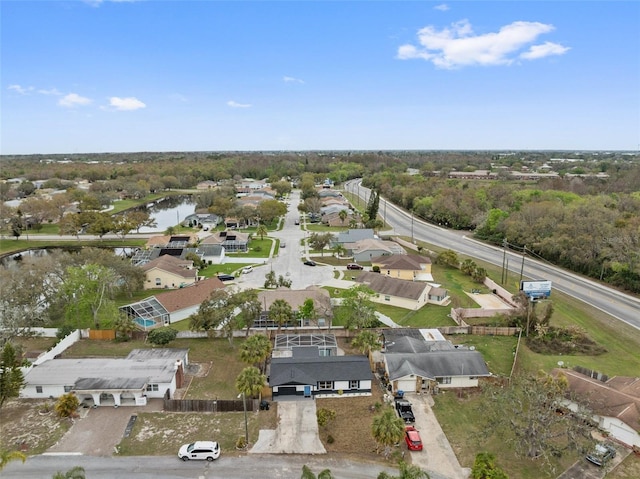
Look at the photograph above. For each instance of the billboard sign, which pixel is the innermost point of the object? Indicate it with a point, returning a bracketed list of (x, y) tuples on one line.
[(536, 289)]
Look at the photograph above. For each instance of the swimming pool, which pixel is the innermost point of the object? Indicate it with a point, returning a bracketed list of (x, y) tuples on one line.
[(145, 323)]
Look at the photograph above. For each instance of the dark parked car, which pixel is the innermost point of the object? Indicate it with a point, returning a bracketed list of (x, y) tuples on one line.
[(310, 263), (403, 408), (226, 277), (354, 266), (601, 454)]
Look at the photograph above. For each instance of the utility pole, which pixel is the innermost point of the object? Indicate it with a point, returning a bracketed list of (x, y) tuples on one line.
[(504, 258), (524, 253)]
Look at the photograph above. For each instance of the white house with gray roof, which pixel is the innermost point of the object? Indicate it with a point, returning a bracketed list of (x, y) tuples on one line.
[(144, 373)]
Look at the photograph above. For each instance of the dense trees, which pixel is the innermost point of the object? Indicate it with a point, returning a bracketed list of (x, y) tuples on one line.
[(11, 379)]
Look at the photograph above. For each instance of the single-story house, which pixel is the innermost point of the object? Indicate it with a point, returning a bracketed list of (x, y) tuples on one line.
[(143, 256), (202, 218), (354, 235), (307, 375), (419, 359), (232, 241), (296, 298), (366, 249), (171, 306), (411, 267), (333, 219), (206, 185), (144, 373), (167, 271), (397, 292), (614, 403), (172, 241), (212, 253)]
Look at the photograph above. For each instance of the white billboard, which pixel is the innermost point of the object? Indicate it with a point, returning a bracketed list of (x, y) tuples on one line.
[(536, 289)]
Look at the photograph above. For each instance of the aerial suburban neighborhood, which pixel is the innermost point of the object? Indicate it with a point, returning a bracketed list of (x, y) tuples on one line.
[(352, 329)]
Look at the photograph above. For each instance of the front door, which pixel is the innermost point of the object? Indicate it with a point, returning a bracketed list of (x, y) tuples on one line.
[(307, 391)]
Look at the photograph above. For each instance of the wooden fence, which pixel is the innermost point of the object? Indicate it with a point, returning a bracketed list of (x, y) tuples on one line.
[(102, 334), (209, 405), (480, 330)]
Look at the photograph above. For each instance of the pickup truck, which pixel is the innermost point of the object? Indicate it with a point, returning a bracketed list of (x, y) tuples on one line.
[(403, 408)]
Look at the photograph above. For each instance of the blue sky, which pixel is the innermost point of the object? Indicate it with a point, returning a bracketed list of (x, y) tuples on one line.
[(125, 76)]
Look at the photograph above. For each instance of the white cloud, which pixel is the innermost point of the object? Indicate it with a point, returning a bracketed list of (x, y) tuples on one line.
[(458, 46), (287, 79), (72, 100), (234, 104), (50, 91), (20, 89), (544, 50), (443, 7), (125, 104)]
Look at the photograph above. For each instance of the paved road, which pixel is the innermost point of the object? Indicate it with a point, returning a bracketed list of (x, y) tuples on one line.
[(170, 467), (621, 306)]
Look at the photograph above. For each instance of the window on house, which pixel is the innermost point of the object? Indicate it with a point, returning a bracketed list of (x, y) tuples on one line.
[(158, 282), (387, 297), (325, 384), (152, 387), (39, 389), (67, 389), (354, 384), (445, 380)]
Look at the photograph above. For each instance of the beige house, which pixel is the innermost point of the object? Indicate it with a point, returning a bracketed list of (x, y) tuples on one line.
[(167, 271), (404, 266), (396, 292)]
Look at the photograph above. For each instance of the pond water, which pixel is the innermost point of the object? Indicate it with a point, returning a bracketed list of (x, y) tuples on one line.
[(169, 212)]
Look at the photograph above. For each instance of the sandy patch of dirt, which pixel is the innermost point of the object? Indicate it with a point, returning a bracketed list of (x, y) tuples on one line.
[(489, 301)]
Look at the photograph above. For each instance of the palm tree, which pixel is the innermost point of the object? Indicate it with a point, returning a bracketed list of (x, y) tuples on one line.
[(262, 231), (255, 350), (281, 312), (387, 430), (171, 230), (342, 214), (75, 473), (8, 456), (307, 473), (367, 341), (250, 381), (407, 471)]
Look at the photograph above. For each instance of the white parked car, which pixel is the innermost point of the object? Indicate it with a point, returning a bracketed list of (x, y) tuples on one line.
[(209, 450), (247, 269)]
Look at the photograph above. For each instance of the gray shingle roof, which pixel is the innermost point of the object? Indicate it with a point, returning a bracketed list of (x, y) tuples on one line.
[(307, 370), (455, 362)]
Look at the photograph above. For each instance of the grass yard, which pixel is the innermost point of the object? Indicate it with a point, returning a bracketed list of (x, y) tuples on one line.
[(462, 420), (161, 434)]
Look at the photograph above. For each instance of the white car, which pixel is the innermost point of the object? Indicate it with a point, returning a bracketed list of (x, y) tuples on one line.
[(209, 450), (247, 269)]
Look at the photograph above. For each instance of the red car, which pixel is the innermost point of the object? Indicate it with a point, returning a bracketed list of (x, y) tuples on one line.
[(354, 266), (412, 438)]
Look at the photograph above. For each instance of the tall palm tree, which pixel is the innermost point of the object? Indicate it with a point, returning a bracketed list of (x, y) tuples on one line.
[(407, 471), (262, 231), (255, 350), (367, 341), (281, 312), (250, 381), (387, 430), (342, 214), (307, 473)]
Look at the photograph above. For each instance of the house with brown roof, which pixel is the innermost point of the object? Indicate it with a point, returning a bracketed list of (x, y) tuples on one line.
[(168, 271), (232, 241), (296, 298), (172, 241), (174, 305), (396, 292), (403, 293), (614, 403), (411, 267)]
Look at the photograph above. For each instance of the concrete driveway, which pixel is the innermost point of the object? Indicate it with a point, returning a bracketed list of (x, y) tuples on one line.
[(583, 469), (297, 431), (437, 455)]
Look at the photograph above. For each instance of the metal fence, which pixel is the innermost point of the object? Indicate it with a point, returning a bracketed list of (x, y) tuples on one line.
[(209, 405)]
